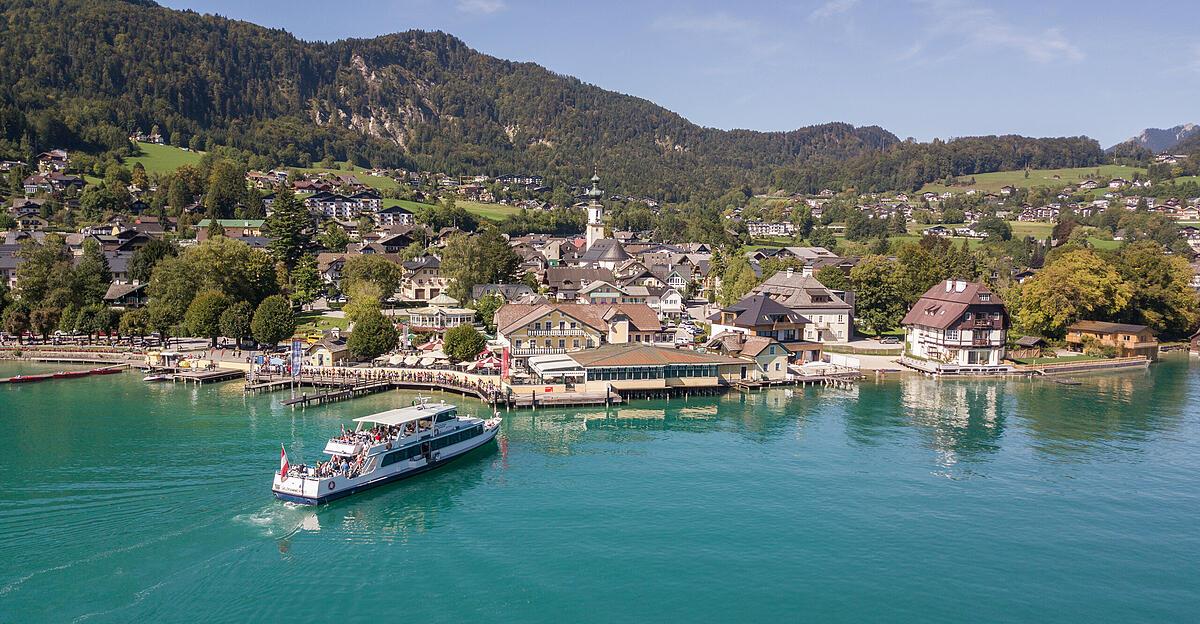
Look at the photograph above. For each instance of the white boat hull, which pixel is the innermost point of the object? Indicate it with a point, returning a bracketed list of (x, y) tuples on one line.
[(311, 491)]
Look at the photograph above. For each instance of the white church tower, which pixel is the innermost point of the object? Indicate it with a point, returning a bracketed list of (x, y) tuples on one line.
[(595, 222)]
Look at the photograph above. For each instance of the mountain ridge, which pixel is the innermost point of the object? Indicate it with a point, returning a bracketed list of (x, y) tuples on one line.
[(1160, 140), (89, 72)]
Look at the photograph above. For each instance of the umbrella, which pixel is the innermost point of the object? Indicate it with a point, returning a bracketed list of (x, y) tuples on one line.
[(412, 360), (396, 359), (437, 355)]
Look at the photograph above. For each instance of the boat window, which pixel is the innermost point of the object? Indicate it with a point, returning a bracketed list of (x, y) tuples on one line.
[(446, 416)]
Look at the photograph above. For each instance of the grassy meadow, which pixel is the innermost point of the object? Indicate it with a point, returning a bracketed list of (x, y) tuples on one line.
[(991, 182), (163, 158)]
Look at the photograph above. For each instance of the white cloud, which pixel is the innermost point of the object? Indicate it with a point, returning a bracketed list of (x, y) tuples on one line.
[(832, 8), (719, 23), (486, 7), (968, 25)]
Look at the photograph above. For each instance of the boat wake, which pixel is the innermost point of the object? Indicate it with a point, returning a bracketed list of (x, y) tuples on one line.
[(281, 521)]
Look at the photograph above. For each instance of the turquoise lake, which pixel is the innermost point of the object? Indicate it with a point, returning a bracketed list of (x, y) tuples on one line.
[(908, 500)]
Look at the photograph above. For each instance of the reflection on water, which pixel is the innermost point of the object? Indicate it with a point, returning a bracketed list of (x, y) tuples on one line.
[(1073, 422)]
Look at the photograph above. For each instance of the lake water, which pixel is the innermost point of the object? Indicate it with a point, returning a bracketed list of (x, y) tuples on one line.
[(903, 501)]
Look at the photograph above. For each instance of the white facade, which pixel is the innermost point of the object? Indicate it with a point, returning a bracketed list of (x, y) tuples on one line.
[(964, 347)]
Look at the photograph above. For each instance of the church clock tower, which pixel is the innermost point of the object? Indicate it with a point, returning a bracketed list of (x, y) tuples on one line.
[(595, 211)]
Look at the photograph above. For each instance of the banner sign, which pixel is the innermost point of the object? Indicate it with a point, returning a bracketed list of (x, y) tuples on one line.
[(297, 357)]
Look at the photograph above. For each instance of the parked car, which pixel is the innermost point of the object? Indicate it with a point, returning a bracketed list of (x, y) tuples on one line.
[(890, 340)]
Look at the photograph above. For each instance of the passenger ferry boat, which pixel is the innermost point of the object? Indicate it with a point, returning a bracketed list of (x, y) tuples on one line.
[(398, 443)]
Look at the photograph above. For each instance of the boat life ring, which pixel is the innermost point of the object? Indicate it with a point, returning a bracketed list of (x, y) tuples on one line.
[(437, 455), (331, 485)]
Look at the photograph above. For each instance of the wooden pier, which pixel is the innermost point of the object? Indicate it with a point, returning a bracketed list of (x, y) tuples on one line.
[(531, 400), (338, 388), (322, 397)]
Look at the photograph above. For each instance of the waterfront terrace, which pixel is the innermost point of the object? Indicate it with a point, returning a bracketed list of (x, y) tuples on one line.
[(634, 368)]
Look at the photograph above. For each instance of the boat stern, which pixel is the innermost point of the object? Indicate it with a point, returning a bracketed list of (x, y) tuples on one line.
[(296, 489)]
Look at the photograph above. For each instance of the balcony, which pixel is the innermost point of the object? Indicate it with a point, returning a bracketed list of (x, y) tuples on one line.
[(537, 351), (556, 332)]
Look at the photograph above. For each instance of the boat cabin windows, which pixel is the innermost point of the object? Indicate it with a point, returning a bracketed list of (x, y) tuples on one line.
[(447, 416), (457, 436)]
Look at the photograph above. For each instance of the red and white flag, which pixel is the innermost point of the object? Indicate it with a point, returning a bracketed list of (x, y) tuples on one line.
[(283, 463)]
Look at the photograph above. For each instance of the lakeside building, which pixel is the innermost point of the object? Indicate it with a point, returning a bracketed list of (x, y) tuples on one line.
[(956, 327), (554, 328), (830, 314), (761, 316), (442, 313), (1128, 340), (633, 368), (769, 356)]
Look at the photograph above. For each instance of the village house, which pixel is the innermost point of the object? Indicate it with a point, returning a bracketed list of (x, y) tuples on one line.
[(1128, 340), (956, 327), (510, 293), (442, 313), (553, 328), (394, 215), (329, 351), (769, 356), (830, 314), (126, 296), (422, 279)]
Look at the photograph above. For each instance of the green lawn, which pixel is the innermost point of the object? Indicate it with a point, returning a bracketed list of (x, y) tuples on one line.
[(991, 182), (381, 183), (388, 202), (315, 321), (495, 212), (163, 158)]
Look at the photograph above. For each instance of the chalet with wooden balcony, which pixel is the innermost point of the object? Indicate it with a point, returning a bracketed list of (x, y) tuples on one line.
[(957, 326)]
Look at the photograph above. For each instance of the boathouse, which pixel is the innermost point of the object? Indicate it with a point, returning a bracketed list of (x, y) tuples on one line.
[(642, 368), (1128, 340)]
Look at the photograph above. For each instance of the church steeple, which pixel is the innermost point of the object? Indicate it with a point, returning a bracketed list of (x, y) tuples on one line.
[(595, 223)]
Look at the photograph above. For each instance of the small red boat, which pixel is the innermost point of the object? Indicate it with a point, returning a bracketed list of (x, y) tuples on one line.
[(106, 371), (28, 378), (71, 374)]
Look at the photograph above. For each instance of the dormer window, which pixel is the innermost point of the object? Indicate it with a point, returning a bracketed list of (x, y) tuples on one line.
[(985, 296)]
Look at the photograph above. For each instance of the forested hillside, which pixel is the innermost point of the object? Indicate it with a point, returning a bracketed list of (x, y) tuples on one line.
[(83, 74)]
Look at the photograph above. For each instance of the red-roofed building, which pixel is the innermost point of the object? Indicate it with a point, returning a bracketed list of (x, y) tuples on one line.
[(957, 326)]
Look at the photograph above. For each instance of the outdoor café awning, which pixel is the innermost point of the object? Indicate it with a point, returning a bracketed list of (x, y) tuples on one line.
[(555, 366)]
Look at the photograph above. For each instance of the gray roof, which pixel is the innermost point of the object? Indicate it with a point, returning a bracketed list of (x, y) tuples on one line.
[(605, 250)]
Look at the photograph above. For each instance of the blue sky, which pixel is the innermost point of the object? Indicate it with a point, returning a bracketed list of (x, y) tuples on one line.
[(920, 68)]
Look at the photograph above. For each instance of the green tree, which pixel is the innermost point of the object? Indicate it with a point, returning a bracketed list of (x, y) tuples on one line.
[(289, 227), (878, 294), (235, 321), (373, 335), (16, 320), (377, 270), (485, 310), (91, 277), (1075, 286), (135, 323), (833, 278), (305, 281), (203, 316), (485, 258), (273, 320), (823, 237), (334, 237), (44, 274), (43, 320), (463, 343), (142, 264), (737, 280), (1162, 297), (226, 186)]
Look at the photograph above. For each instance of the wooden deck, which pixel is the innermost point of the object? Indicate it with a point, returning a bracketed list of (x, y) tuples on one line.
[(565, 399)]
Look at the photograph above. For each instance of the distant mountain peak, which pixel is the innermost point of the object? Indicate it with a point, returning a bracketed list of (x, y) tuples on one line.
[(1160, 140)]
